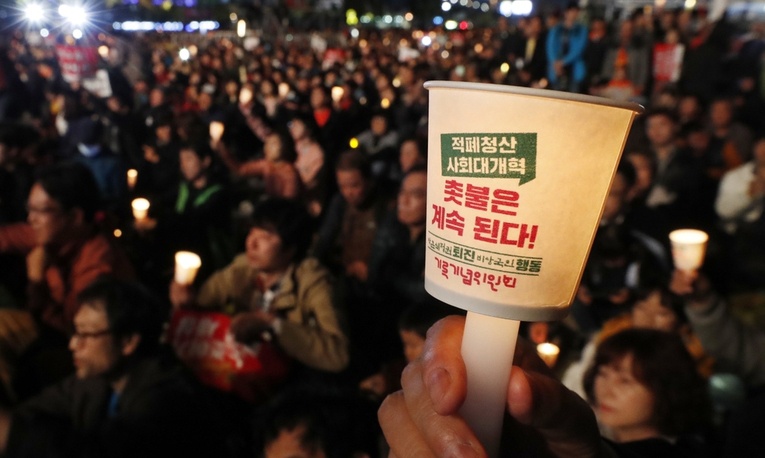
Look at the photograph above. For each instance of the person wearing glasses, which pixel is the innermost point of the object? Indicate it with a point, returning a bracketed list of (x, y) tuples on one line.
[(129, 395), (64, 253)]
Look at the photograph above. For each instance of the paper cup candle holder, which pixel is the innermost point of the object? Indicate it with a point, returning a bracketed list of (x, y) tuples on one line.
[(140, 208), (688, 248), (186, 266), (517, 180)]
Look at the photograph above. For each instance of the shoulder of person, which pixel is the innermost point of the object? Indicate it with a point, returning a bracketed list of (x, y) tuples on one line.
[(310, 269)]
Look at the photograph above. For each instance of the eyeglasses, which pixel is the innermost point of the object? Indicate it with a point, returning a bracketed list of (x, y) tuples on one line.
[(90, 335), (43, 210)]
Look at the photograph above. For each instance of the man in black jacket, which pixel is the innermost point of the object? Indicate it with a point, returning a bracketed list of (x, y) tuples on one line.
[(128, 397)]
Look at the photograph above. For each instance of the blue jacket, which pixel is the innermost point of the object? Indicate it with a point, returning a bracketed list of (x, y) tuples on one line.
[(574, 56)]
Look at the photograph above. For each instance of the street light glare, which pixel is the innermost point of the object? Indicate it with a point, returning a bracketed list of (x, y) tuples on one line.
[(74, 14), (77, 15), (34, 12)]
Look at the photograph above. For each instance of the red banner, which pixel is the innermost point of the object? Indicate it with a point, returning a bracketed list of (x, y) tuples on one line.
[(667, 62), (77, 62), (202, 340)]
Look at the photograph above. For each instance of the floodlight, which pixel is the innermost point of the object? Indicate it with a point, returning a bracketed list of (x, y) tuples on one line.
[(34, 12)]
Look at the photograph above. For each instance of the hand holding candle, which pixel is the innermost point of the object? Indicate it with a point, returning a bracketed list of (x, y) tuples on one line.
[(186, 266), (140, 208), (502, 258), (688, 248), (427, 423)]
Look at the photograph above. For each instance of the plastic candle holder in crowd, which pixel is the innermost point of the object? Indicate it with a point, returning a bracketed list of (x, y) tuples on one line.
[(517, 180)]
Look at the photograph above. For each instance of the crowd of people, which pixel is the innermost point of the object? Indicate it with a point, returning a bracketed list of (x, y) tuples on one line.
[(295, 167)]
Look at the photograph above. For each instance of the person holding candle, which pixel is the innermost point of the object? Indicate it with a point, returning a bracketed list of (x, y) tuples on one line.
[(736, 346), (311, 164), (276, 168), (273, 291), (654, 307), (196, 217)]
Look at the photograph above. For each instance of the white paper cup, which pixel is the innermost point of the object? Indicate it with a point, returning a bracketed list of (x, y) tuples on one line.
[(186, 266), (517, 180), (688, 248), (140, 208), (132, 178), (217, 129), (337, 93), (548, 352)]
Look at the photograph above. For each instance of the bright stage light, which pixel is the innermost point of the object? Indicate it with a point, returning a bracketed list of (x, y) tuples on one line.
[(34, 12)]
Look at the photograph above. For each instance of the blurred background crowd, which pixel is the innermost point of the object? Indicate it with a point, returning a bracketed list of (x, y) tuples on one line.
[(294, 165)]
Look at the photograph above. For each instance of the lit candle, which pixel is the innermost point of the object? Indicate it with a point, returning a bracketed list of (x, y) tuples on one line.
[(245, 96), (186, 266), (132, 177), (688, 248), (548, 352), (216, 131), (337, 93), (284, 89), (523, 270), (140, 208)]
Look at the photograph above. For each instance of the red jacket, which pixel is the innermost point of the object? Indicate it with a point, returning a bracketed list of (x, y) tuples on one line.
[(70, 270)]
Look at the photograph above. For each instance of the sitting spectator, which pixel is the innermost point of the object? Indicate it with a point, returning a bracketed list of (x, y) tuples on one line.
[(128, 397), (65, 253), (196, 218), (413, 326), (311, 164), (274, 291), (736, 346), (620, 255), (739, 204), (671, 202), (740, 196), (654, 308), (647, 394), (310, 424), (276, 168), (380, 142), (158, 173), (731, 140), (107, 168), (345, 237), (396, 275)]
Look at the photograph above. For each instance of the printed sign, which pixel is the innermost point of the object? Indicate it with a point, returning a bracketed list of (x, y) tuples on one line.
[(516, 184), (489, 155), (77, 62), (202, 340)]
